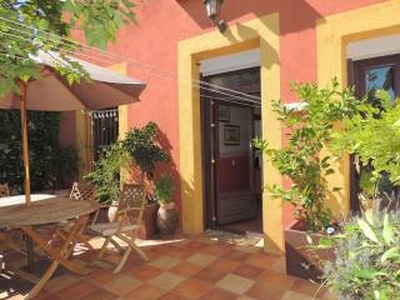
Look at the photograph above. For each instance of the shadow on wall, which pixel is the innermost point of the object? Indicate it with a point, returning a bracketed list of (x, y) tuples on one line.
[(170, 167), (295, 16)]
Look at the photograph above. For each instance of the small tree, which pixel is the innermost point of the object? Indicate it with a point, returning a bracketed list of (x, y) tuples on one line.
[(374, 136), (139, 151), (29, 26), (302, 159)]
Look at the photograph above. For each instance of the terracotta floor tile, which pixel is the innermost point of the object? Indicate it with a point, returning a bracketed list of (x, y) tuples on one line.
[(249, 249), (144, 273), (218, 294), (237, 255), (296, 296), (196, 244), (227, 265), (100, 277), (201, 259), (171, 296), (262, 260), (61, 282), (186, 269), (182, 253), (248, 271), (144, 292), (122, 285), (304, 287), (99, 295), (77, 290), (167, 280), (274, 279), (165, 262), (211, 275), (217, 249), (244, 297), (192, 288), (261, 292), (235, 284)]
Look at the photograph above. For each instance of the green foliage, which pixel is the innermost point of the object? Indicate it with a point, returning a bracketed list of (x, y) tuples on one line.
[(367, 258), (106, 174), (302, 159), (99, 20), (49, 161), (164, 189), (139, 148), (374, 135)]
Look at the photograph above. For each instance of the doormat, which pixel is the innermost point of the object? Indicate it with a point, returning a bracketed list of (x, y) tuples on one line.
[(234, 238)]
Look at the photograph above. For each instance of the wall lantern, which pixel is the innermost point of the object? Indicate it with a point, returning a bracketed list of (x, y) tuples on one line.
[(213, 8)]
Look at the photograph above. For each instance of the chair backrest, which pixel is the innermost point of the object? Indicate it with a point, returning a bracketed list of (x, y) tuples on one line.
[(133, 198), (83, 191), (4, 190)]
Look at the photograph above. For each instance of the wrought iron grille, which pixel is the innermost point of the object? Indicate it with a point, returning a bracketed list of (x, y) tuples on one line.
[(105, 129)]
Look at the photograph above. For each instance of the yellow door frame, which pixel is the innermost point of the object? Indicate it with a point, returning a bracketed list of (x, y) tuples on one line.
[(263, 33)]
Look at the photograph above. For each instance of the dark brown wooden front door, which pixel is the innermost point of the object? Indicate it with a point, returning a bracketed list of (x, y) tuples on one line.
[(227, 128)]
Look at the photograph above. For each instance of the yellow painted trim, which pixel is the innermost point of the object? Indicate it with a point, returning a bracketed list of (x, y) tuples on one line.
[(84, 134), (123, 109), (261, 32), (333, 34)]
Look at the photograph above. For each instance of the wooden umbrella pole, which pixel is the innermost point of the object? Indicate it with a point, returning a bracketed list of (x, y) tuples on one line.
[(25, 148)]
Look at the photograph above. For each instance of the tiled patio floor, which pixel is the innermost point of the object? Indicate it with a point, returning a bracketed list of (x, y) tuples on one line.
[(196, 268)]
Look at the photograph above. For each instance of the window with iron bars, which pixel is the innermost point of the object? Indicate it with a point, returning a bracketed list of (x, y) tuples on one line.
[(105, 130)]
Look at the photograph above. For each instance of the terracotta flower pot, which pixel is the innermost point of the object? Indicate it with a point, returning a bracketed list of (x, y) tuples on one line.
[(167, 218)]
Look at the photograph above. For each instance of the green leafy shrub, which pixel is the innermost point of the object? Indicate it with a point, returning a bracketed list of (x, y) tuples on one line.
[(367, 258), (302, 159), (164, 189), (139, 149), (374, 136)]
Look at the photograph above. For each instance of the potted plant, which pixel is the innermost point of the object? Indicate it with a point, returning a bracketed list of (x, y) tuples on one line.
[(303, 161), (135, 158), (167, 215)]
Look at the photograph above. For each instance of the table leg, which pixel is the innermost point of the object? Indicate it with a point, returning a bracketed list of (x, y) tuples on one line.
[(30, 254), (59, 257)]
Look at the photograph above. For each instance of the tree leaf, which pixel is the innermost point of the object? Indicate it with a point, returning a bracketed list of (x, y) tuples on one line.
[(367, 230), (388, 230), (391, 253)]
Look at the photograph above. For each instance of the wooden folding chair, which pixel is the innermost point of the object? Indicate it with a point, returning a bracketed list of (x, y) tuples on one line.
[(126, 225), (80, 192)]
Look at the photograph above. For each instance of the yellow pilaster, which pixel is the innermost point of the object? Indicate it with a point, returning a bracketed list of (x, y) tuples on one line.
[(261, 32), (333, 35)]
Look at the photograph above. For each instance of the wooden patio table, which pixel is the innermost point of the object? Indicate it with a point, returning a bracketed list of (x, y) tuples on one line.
[(48, 210)]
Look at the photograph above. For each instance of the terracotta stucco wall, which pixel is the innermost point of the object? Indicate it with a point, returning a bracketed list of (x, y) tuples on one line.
[(151, 51), (162, 24)]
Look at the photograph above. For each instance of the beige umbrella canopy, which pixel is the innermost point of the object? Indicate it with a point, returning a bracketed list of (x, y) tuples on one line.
[(52, 93)]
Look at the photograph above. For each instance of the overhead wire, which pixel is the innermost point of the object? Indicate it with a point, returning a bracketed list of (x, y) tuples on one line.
[(239, 100), (200, 85), (116, 56)]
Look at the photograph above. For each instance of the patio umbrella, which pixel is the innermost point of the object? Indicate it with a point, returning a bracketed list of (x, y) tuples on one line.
[(53, 93)]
